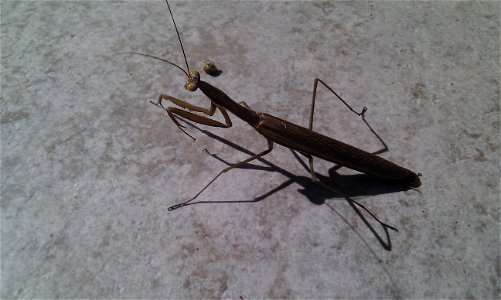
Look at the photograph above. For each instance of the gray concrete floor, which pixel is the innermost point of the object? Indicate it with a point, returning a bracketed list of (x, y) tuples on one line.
[(89, 167)]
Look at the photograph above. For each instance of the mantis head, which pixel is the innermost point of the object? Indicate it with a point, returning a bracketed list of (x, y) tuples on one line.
[(193, 80)]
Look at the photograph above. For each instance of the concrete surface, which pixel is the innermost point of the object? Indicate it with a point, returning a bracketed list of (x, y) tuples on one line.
[(89, 167)]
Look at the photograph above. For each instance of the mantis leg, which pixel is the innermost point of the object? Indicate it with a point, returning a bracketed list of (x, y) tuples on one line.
[(174, 112), (315, 84), (270, 147), (352, 202), (208, 111), (362, 114)]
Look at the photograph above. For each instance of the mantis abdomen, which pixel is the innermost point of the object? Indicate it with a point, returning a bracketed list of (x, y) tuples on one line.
[(313, 143)]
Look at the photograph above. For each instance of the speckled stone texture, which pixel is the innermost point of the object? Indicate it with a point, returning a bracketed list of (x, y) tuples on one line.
[(89, 167)]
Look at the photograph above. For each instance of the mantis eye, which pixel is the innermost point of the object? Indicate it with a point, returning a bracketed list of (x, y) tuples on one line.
[(191, 86)]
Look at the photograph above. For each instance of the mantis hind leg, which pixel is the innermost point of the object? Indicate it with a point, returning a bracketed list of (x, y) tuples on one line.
[(315, 85), (361, 114), (353, 203)]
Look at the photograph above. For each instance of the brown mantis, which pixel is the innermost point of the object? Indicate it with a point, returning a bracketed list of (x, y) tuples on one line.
[(275, 130)]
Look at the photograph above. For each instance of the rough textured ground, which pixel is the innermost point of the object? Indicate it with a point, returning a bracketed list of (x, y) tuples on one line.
[(89, 168)]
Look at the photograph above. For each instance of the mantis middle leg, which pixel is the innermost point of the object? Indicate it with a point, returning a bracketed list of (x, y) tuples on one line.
[(270, 147)]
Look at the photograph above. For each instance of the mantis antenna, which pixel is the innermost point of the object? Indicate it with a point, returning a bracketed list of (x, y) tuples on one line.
[(178, 36)]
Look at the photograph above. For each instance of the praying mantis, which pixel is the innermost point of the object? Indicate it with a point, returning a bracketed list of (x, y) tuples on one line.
[(275, 130)]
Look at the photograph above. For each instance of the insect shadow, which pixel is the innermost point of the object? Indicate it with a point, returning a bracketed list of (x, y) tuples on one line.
[(335, 186)]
